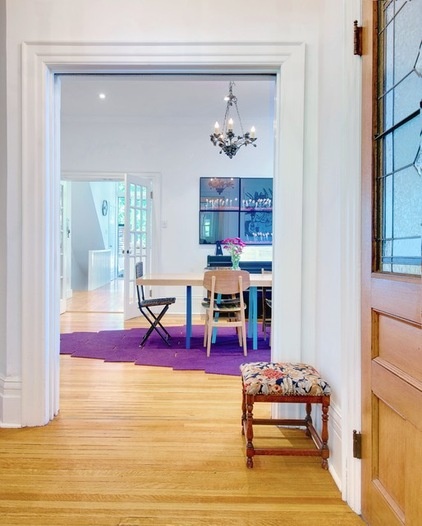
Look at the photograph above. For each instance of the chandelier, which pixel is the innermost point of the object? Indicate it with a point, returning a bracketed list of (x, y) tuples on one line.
[(226, 139)]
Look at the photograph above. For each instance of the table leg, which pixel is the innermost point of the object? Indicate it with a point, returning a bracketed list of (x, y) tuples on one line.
[(214, 331), (188, 315), (253, 316)]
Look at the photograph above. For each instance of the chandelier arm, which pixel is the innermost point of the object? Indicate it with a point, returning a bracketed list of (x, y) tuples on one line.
[(227, 115)]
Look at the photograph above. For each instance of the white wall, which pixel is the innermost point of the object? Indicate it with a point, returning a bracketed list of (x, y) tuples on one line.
[(331, 150), (90, 230)]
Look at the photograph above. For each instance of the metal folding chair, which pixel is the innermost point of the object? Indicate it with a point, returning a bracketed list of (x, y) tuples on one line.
[(146, 305)]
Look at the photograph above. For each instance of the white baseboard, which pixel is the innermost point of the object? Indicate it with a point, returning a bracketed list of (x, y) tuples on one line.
[(335, 444), (10, 401)]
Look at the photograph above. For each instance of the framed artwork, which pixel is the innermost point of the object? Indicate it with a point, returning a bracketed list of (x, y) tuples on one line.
[(256, 227), (236, 207), (215, 226), (257, 194), (219, 193)]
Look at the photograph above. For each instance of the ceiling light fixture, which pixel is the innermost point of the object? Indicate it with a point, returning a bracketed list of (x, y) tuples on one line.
[(227, 139), (102, 96)]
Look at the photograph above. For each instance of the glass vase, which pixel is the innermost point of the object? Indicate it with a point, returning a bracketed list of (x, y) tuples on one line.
[(235, 261)]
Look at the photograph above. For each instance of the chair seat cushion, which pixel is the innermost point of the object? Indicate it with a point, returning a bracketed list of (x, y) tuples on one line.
[(157, 302), (282, 378)]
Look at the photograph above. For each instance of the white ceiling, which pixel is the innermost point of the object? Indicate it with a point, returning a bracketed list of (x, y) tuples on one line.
[(175, 96)]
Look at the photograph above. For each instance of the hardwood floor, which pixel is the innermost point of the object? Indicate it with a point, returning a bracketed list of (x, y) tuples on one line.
[(137, 445), (102, 309)]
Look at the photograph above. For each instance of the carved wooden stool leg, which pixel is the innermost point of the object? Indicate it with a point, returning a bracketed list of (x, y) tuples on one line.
[(250, 452), (325, 453), (308, 419), (243, 412)]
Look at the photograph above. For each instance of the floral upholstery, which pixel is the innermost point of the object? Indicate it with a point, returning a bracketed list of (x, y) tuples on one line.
[(282, 378)]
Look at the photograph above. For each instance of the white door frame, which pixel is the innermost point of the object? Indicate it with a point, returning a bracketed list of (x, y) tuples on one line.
[(36, 392), (40, 329), (40, 184)]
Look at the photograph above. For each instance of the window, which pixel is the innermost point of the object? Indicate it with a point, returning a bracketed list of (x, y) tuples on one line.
[(398, 138)]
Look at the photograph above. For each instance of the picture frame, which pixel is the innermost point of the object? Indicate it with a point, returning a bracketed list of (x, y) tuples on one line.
[(235, 207), (219, 193)]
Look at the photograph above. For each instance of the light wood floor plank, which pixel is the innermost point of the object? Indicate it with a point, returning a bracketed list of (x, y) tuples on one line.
[(148, 445), (137, 445)]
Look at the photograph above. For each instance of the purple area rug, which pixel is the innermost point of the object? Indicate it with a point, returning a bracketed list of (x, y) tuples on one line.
[(123, 346)]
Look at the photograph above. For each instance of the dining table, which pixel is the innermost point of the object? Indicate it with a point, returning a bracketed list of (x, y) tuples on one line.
[(195, 279)]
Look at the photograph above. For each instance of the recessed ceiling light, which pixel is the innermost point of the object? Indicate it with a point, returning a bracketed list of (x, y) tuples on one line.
[(102, 96)]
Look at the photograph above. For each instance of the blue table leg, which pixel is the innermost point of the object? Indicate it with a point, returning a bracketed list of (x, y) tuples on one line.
[(253, 316), (188, 315), (214, 331)]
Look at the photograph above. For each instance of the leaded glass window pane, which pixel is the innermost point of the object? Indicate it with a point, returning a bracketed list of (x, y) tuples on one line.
[(398, 180)]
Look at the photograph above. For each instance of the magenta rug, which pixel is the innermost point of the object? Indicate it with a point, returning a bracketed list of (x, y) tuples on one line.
[(123, 346)]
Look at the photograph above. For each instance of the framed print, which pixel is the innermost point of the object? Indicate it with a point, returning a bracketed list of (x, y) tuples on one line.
[(216, 226), (256, 194), (219, 193), (236, 207), (256, 227)]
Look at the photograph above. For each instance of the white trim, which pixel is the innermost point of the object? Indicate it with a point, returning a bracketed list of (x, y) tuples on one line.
[(335, 424), (288, 215), (351, 265), (40, 63), (92, 176), (10, 401)]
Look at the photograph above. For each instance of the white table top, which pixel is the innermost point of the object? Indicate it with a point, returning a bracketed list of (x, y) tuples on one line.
[(195, 279)]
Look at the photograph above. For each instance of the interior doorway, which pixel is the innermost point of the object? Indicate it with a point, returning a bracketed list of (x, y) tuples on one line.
[(106, 224), (42, 63), (106, 120)]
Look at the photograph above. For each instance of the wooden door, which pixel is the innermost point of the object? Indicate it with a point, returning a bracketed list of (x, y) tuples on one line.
[(391, 265)]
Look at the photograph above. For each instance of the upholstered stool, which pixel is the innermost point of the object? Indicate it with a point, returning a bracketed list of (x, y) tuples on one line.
[(285, 383)]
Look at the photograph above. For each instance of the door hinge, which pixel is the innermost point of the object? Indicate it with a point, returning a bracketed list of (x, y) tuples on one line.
[(357, 39), (357, 444), (151, 195)]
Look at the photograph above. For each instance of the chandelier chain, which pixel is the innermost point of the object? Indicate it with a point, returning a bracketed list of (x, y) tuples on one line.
[(226, 139)]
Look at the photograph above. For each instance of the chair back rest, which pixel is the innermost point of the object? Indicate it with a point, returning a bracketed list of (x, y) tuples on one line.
[(226, 281), (139, 272)]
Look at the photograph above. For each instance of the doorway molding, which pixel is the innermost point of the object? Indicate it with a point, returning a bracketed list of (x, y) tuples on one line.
[(40, 328)]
